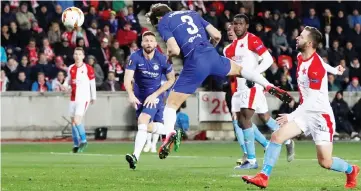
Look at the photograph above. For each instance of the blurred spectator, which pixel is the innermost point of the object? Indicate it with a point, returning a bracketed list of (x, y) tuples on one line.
[(79, 33), (118, 5), (133, 19), (80, 42), (279, 42), (292, 41), (92, 35), (3, 57), (126, 36), (44, 17), (355, 37), (6, 15), (25, 66), (341, 110), (332, 84), (113, 23), (212, 18), (18, 40), (340, 20), (355, 69), (47, 49), (4, 81), (285, 85), (11, 69), (60, 65), (354, 86), (24, 17), (65, 51), (102, 53), (116, 67), (111, 84), (350, 53), (21, 83), (354, 19), (226, 17), (277, 21), (321, 50), (312, 20), (343, 79), (5, 36), (273, 74), (356, 112), (327, 39), (105, 33), (54, 34), (263, 35), (335, 54), (133, 47), (58, 13), (41, 85), (292, 22), (99, 74), (326, 18), (340, 36), (116, 51), (37, 32), (48, 69), (266, 17), (59, 84)]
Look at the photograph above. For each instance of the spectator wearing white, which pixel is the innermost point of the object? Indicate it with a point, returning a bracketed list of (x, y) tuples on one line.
[(54, 34), (59, 84), (3, 81), (24, 17), (354, 86)]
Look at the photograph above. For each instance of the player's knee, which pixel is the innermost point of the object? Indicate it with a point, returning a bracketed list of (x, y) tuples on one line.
[(76, 120), (276, 138), (143, 118), (246, 123), (264, 117), (325, 163)]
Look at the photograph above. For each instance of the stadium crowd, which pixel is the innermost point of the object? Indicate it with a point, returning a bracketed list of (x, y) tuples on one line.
[(36, 48)]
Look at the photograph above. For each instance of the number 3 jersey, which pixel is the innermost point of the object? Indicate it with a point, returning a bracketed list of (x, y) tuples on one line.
[(187, 27)]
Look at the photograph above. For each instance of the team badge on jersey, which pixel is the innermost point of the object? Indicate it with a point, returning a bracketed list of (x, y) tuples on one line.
[(155, 67)]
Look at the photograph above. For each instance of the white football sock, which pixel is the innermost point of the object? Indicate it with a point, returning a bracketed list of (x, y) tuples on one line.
[(155, 139), (149, 139), (254, 76), (159, 128), (140, 140), (170, 117)]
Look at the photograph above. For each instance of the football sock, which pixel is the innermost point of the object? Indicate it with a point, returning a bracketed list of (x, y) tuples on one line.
[(155, 138), (240, 137), (140, 139), (270, 158), (81, 131), (272, 124), (159, 128), (74, 133), (254, 76), (340, 165), (260, 138), (249, 142), (149, 139), (170, 117)]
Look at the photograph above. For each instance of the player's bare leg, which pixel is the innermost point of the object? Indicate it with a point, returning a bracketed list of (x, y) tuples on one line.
[(272, 124), (325, 159), (237, 70), (79, 127), (140, 139), (174, 101), (287, 131), (244, 120)]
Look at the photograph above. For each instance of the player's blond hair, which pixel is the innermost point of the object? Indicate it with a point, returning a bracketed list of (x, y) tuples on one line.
[(315, 35)]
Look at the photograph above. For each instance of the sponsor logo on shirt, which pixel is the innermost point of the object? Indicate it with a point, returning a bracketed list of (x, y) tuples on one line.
[(191, 39), (314, 80), (151, 74), (259, 47)]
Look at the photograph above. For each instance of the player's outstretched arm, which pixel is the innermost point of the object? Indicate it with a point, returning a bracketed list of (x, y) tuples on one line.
[(214, 34), (338, 70), (266, 62), (172, 47)]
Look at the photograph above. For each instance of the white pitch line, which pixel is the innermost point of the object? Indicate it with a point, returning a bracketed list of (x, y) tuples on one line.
[(215, 157)]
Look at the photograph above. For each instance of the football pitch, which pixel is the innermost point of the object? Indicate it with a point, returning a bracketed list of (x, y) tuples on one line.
[(197, 166)]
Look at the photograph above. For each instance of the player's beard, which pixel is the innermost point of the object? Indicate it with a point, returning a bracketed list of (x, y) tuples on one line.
[(149, 50), (301, 47)]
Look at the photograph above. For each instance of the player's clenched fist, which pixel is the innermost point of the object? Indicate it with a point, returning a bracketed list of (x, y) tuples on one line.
[(340, 69), (134, 100), (151, 101)]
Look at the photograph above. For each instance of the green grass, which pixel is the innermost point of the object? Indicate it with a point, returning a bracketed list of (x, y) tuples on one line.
[(202, 166)]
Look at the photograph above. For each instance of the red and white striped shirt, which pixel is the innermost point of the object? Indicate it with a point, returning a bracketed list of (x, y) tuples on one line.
[(82, 82)]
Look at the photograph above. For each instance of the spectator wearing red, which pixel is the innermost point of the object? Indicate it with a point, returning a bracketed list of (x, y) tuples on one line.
[(32, 52), (68, 34), (60, 65), (37, 32), (47, 49), (126, 36), (116, 67), (41, 85)]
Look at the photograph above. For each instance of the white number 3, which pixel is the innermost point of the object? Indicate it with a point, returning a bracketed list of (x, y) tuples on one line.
[(187, 19)]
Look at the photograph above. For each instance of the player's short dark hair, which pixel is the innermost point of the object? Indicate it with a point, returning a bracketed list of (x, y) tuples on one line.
[(241, 16), (80, 49), (157, 11), (315, 35), (148, 33)]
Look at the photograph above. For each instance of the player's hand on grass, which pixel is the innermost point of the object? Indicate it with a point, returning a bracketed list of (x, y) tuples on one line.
[(283, 119), (134, 100), (340, 69), (151, 101)]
